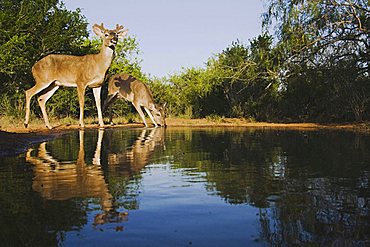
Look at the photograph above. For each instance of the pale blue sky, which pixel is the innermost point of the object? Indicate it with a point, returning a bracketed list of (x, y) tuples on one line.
[(177, 33)]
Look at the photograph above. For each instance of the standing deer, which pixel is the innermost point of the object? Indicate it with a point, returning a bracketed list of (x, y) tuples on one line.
[(131, 89), (57, 70)]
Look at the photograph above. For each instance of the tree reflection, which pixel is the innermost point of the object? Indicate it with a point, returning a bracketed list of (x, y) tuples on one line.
[(304, 183)]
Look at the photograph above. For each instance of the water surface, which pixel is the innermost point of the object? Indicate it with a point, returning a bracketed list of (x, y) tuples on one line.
[(188, 187)]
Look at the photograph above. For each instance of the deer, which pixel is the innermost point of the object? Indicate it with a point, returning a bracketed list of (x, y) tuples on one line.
[(138, 93), (57, 70)]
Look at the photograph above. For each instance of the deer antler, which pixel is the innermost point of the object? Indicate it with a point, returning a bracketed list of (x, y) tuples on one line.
[(118, 27), (101, 26)]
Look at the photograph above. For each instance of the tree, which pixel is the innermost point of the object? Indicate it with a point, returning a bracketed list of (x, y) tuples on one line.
[(326, 46), (316, 30), (30, 30), (247, 76), (189, 87)]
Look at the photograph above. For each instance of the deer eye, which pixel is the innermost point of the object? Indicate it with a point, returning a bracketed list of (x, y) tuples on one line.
[(106, 35)]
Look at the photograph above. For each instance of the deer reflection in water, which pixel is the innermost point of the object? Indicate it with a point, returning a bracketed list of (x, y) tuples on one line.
[(138, 155), (55, 180)]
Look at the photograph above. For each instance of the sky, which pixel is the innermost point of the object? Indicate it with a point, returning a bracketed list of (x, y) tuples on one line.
[(177, 34)]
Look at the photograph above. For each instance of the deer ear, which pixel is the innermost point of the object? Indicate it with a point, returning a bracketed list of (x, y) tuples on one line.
[(98, 30), (122, 33)]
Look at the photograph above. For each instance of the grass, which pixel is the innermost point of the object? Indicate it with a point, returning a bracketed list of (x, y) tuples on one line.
[(215, 118), (15, 122)]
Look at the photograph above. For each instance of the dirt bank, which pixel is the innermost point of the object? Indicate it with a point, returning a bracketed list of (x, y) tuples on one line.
[(15, 143), (16, 139), (180, 122)]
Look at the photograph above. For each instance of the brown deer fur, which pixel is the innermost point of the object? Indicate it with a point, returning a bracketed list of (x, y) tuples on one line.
[(131, 89)]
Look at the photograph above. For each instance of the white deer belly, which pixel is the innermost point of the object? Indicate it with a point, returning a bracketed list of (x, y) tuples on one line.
[(65, 84), (96, 82)]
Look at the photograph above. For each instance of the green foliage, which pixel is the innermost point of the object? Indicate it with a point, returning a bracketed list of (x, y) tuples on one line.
[(248, 76), (316, 31), (127, 59), (189, 89), (30, 30), (325, 45), (12, 105), (238, 82)]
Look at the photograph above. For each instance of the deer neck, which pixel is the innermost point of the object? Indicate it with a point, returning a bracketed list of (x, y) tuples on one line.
[(105, 56)]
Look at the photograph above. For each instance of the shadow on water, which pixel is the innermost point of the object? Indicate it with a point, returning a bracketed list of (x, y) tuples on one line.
[(299, 188)]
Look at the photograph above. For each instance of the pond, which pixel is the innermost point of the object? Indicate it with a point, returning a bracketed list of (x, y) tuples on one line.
[(188, 187)]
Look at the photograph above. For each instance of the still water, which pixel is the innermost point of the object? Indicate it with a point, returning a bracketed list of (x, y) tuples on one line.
[(188, 187)]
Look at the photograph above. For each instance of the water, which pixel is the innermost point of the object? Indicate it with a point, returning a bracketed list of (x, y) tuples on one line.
[(188, 187)]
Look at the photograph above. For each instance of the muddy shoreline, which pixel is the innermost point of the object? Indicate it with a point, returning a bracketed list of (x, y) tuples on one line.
[(16, 143)]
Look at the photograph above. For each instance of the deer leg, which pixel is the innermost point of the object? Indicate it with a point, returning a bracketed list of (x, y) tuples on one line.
[(141, 113), (110, 115), (81, 101), (97, 91), (42, 102), (111, 99), (29, 94), (151, 116)]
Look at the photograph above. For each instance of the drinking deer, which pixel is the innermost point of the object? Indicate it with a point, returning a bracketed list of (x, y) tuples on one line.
[(131, 89), (57, 70)]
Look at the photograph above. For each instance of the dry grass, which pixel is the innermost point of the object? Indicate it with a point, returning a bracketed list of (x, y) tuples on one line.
[(11, 124)]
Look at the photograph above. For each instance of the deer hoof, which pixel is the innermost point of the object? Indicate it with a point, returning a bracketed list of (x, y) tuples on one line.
[(25, 125)]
